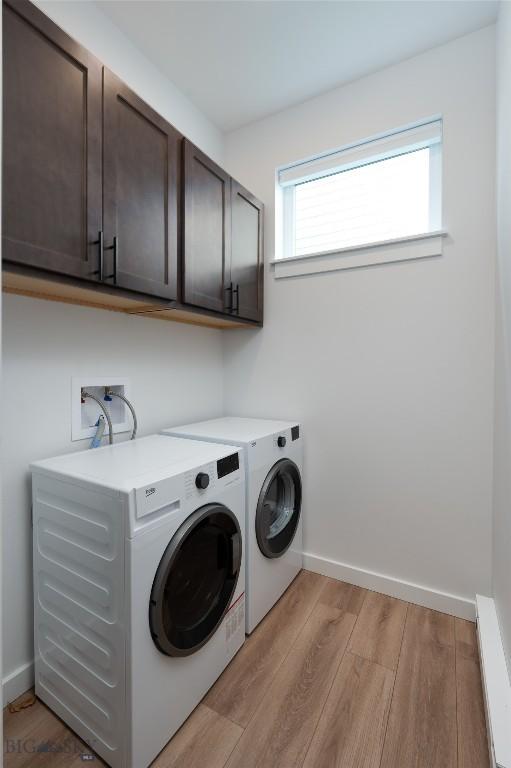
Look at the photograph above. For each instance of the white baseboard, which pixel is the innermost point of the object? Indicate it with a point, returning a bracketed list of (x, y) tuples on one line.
[(17, 682), (387, 585), (496, 685)]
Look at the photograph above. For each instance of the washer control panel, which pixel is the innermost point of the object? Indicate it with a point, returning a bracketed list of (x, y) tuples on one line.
[(209, 476), (199, 480), (202, 481), (198, 484), (228, 464)]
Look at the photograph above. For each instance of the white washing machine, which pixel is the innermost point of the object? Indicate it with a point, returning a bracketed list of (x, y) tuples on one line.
[(274, 462), (139, 587)]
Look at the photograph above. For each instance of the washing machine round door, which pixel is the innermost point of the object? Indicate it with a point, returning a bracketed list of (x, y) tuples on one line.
[(278, 508), (195, 581)]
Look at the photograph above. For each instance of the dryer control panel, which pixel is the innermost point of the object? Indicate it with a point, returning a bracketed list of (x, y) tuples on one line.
[(286, 437)]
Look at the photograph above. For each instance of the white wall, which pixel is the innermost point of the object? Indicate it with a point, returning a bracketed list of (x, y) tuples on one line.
[(175, 370), (502, 448), (390, 368)]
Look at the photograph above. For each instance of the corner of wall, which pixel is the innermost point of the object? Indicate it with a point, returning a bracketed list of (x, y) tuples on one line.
[(501, 560)]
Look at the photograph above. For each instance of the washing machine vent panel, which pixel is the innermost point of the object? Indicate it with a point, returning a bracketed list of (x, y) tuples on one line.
[(78, 580)]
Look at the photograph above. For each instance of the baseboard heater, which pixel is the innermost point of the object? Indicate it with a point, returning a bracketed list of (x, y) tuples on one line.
[(496, 685)]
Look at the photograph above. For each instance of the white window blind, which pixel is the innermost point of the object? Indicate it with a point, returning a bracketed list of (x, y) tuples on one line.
[(379, 190)]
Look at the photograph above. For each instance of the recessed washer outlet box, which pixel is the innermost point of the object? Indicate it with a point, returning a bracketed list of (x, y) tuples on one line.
[(84, 415)]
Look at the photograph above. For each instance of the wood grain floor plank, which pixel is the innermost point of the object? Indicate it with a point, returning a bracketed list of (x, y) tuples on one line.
[(36, 738), (422, 728), (294, 661), (236, 695), (379, 630), (280, 732), (206, 739), (351, 728), (472, 741), (343, 596)]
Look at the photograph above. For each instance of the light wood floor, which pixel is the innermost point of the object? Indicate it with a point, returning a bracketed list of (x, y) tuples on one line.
[(334, 677)]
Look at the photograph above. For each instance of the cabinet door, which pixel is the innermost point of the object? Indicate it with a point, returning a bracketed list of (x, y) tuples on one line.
[(140, 194), (206, 232), (247, 261), (51, 146)]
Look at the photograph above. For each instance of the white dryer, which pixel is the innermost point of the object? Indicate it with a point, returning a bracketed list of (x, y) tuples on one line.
[(139, 587), (274, 462)]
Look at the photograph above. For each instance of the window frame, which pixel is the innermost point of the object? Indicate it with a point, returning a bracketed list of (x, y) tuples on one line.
[(426, 134)]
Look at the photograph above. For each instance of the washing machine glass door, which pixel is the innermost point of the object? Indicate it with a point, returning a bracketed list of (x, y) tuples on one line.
[(278, 508), (195, 580)]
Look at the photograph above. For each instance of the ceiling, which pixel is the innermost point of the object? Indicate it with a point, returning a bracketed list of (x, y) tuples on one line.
[(241, 60)]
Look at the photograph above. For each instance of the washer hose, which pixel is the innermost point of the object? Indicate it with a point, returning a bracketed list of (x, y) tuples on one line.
[(111, 393), (107, 415)]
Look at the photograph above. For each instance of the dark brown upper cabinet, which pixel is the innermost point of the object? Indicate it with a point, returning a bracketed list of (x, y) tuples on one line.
[(247, 254), (223, 240), (51, 205), (140, 194), (206, 232), (105, 203)]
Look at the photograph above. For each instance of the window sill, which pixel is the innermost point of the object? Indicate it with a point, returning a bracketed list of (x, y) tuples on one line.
[(383, 252)]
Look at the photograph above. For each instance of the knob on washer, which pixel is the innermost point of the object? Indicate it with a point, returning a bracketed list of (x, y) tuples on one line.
[(281, 441), (202, 481)]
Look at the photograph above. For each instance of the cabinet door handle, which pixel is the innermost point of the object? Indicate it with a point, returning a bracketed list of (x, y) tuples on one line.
[(99, 242), (229, 290), (115, 248), (236, 291)]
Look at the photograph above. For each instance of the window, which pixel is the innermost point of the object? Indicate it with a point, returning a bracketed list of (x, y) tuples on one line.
[(375, 193)]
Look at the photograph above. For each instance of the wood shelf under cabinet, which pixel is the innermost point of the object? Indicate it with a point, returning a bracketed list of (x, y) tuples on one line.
[(51, 289)]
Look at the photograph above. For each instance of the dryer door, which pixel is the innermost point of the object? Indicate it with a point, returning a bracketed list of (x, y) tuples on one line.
[(195, 581), (278, 508)]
